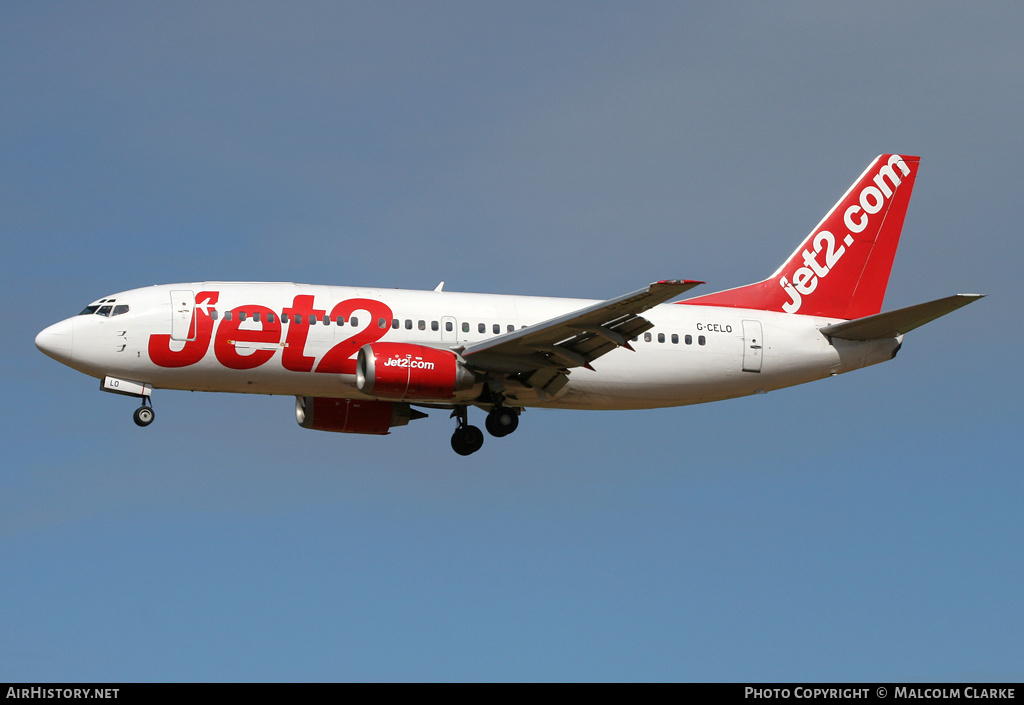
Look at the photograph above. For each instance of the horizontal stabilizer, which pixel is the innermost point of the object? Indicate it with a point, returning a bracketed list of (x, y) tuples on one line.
[(898, 322)]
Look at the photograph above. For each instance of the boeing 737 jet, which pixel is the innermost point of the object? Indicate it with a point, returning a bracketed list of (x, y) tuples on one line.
[(363, 360)]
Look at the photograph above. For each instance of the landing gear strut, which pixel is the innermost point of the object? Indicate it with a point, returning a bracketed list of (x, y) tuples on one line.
[(144, 415), (467, 439)]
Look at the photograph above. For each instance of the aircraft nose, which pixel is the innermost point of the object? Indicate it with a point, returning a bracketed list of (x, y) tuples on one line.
[(57, 340)]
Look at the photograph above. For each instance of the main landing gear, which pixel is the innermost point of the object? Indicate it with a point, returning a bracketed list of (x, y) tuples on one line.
[(467, 439), (501, 421), (144, 415)]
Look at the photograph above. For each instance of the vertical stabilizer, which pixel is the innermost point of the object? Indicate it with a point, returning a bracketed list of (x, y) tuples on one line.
[(841, 269)]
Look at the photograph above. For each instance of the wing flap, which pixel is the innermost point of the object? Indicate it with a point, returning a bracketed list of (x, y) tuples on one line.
[(577, 338), (898, 322)]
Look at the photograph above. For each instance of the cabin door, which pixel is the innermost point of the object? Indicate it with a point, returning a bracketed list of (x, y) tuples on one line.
[(752, 346), (183, 320)]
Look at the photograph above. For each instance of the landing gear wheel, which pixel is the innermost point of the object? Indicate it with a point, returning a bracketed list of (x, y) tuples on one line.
[(467, 440), (143, 416), (501, 421)]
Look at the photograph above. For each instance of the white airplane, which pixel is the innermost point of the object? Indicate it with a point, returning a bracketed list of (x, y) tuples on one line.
[(359, 360)]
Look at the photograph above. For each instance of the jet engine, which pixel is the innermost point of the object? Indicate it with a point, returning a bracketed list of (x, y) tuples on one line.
[(352, 415), (413, 372)]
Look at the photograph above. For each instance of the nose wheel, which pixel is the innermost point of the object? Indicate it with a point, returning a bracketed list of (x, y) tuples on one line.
[(467, 439), (144, 415)]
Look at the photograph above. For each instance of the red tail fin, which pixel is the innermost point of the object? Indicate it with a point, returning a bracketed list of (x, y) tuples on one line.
[(842, 269)]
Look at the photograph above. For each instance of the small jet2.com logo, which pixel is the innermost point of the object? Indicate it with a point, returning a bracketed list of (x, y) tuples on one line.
[(408, 363)]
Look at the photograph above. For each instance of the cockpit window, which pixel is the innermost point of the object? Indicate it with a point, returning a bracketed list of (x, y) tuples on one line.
[(105, 310)]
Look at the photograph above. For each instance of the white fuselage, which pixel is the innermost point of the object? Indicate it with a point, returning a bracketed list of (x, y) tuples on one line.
[(693, 354)]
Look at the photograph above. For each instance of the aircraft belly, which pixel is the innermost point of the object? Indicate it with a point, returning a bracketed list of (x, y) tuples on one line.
[(683, 376)]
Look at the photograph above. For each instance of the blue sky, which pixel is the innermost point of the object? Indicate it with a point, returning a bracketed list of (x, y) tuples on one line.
[(866, 527)]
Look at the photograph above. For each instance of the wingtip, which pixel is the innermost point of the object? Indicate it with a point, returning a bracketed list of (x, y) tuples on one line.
[(679, 282)]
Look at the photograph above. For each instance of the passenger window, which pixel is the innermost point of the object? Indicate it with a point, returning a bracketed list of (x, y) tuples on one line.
[(647, 337), (408, 324), (701, 340), (382, 323), (688, 339), (434, 325), (213, 315), (241, 315), (119, 309), (421, 325), (312, 320), (448, 326), (340, 321), (465, 327), (270, 317), (227, 315), (284, 318), (675, 339), (297, 319), (395, 324), (354, 321), (510, 329), (481, 328), (256, 316)]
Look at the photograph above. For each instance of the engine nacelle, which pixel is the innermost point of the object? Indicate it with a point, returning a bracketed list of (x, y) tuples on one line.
[(352, 415), (414, 372)]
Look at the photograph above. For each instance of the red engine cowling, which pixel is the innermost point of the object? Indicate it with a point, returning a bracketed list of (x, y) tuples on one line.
[(406, 371), (352, 415)]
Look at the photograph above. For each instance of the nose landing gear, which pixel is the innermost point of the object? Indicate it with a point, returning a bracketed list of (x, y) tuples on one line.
[(144, 415)]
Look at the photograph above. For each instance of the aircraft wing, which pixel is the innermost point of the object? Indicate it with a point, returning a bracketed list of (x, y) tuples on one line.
[(542, 353)]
